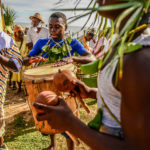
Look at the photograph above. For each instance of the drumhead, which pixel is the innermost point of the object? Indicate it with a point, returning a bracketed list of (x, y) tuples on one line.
[(45, 71)]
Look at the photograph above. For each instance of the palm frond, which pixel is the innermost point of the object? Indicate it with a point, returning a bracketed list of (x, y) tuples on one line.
[(133, 9), (9, 15)]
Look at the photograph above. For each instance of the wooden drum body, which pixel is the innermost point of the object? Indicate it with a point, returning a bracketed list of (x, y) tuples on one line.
[(41, 79)]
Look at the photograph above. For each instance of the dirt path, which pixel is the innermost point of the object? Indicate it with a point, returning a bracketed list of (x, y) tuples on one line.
[(15, 103), (12, 97)]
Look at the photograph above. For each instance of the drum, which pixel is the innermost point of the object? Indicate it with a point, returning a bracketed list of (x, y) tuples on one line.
[(41, 79)]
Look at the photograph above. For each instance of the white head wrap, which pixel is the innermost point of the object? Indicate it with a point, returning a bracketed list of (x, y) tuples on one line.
[(5, 40)]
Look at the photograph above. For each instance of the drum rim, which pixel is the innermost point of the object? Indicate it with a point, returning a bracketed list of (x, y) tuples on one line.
[(47, 74), (45, 77)]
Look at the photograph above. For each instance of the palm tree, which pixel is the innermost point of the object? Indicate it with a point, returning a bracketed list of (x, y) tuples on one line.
[(9, 15)]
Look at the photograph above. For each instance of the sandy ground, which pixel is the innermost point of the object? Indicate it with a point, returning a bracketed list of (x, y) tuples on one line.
[(12, 97), (15, 103)]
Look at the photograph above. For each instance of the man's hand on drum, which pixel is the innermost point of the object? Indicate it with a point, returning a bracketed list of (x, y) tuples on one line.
[(58, 116), (37, 59), (85, 91), (85, 58), (81, 60), (29, 60)]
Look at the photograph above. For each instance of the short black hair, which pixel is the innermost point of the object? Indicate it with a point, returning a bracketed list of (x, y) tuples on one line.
[(59, 15)]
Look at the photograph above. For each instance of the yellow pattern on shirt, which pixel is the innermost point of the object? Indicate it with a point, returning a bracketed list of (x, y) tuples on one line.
[(13, 52), (23, 51)]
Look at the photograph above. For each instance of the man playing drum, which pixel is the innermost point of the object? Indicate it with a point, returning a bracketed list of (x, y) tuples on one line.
[(127, 104), (57, 28)]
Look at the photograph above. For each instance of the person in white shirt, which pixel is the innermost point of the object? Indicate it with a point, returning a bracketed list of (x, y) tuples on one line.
[(36, 31)]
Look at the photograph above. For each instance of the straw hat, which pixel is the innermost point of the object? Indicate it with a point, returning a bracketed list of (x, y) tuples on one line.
[(38, 16)]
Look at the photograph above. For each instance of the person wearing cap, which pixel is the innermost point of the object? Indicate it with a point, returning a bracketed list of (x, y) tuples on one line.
[(37, 31), (20, 41), (10, 60)]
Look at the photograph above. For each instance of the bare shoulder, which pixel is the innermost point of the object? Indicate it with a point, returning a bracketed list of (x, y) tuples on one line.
[(136, 69), (138, 62), (135, 90)]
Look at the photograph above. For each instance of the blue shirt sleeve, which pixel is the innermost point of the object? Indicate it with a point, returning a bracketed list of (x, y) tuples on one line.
[(77, 47), (36, 50)]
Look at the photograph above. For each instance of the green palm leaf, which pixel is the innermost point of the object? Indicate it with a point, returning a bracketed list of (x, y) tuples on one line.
[(9, 15), (134, 9)]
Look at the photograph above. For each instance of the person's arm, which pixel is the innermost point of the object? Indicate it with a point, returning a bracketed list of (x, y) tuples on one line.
[(29, 43), (9, 63), (12, 59), (135, 112), (85, 55), (37, 48), (84, 90), (97, 141), (85, 58), (33, 53)]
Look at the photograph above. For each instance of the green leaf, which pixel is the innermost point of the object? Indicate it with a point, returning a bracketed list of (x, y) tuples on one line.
[(69, 48), (46, 48), (97, 121), (69, 40), (52, 59), (102, 8), (9, 15), (132, 47), (55, 50), (131, 21), (90, 68), (124, 15), (63, 47), (90, 81)]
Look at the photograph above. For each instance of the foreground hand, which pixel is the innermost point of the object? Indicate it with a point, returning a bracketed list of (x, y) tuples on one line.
[(83, 89), (37, 59), (58, 116)]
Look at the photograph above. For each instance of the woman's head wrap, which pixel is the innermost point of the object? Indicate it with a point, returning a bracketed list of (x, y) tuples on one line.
[(18, 28)]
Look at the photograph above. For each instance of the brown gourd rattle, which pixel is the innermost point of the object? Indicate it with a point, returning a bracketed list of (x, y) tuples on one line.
[(48, 98), (63, 81)]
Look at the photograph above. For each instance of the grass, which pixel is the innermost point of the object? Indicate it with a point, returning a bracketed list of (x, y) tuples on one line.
[(21, 134)]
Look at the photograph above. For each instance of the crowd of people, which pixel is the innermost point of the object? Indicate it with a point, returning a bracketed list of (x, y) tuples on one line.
[(124, 106)]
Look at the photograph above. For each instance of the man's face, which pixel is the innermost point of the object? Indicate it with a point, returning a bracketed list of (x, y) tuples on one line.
[(35, 22), (57, 28)]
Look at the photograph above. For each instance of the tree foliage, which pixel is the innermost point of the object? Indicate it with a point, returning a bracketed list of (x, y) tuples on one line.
[(9, 15)]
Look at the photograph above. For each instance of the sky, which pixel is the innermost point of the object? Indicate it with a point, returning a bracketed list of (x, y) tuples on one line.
[(26, 8)]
